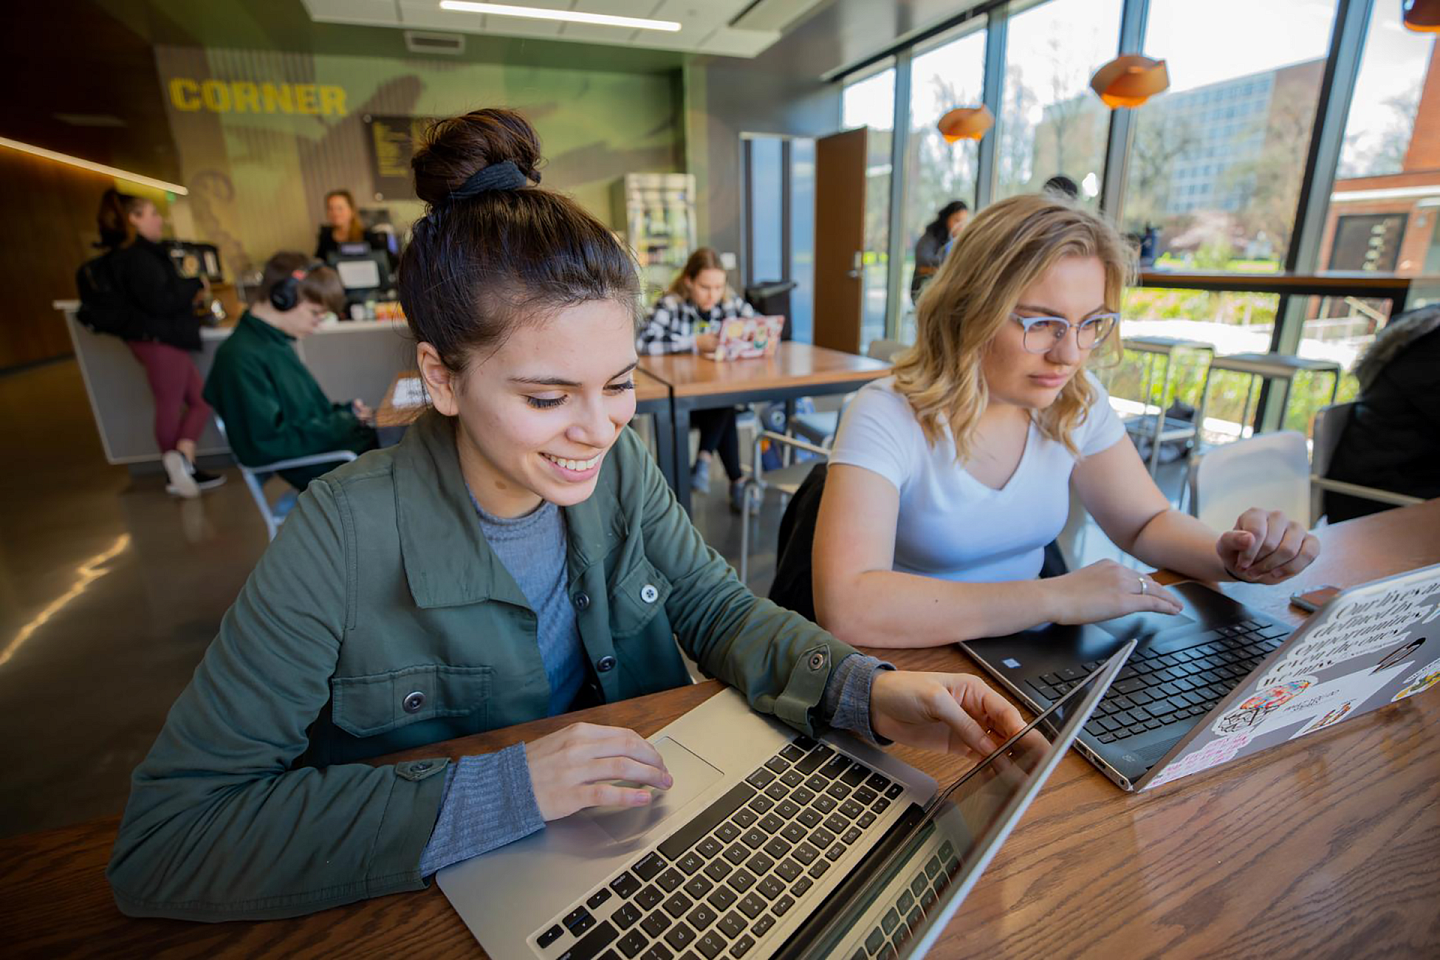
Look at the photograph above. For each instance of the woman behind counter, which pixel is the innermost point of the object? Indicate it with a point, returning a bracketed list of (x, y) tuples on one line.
[(687, 318), (343, 228), (165, 332), (516, 556)]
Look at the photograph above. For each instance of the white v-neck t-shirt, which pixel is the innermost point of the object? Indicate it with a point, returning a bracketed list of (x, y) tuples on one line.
[(950, 525)]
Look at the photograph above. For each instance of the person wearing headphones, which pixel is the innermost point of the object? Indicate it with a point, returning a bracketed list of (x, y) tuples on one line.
[(271, 405)]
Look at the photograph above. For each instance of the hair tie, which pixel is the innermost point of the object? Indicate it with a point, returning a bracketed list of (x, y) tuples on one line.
[(494, 176)]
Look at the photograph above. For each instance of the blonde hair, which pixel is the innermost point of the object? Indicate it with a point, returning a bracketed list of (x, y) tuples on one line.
[(1001, 252)]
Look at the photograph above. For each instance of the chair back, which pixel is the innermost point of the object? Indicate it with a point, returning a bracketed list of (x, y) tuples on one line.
[(255, 484), (1270, 471), (792, 587), (1330, 425), (884, 350)]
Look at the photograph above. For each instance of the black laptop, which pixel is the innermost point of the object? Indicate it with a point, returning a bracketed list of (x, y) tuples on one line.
[(1181, 669)]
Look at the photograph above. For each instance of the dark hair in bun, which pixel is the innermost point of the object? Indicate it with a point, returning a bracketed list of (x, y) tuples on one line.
[(476, 266)]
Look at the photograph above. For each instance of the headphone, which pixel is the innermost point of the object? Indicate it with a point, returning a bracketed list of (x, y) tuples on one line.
[(286, 294)]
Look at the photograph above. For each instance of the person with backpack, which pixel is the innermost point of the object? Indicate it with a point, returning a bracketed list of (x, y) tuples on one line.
[(134, 292)]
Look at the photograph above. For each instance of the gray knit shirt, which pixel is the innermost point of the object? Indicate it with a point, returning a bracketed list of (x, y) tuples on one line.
[(489, 800)]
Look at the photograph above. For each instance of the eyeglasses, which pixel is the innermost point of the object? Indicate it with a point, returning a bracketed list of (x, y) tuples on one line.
[(1043, 334)]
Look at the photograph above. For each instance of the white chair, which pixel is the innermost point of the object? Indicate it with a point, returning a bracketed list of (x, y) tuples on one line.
[(1330, 425), (1271, 471), (255, 477), (786, 480)]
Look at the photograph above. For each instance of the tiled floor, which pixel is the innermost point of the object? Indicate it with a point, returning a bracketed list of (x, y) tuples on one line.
[(110, 592)]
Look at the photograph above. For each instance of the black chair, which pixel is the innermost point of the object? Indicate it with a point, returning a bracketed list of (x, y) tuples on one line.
[(793, 586)]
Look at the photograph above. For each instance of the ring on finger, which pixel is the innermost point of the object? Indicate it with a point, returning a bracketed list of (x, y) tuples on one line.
[(1144, 586)]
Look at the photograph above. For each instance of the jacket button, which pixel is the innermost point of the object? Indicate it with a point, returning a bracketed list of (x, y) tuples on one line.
[(413, 701), (648, 593), (605, 664), (582, 601), (817, 660)]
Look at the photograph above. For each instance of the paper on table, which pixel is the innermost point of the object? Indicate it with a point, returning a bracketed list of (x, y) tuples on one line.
[(409, 392)]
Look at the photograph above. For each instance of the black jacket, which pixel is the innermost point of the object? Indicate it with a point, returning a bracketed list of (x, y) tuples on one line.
[(163, 300), (1393, 439)]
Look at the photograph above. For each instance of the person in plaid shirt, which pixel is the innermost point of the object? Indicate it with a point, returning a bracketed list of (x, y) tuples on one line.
[(687, 317)]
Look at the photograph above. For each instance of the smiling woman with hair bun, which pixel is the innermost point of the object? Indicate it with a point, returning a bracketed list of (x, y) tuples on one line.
[(516, 556)]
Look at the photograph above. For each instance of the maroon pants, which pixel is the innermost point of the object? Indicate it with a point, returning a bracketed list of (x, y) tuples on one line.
[(175, 382)]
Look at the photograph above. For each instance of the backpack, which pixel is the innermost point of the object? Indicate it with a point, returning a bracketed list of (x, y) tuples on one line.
[(104, 306)]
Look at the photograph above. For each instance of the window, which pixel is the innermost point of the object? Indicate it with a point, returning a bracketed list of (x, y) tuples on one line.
[(1220, 52), (871, 103), (1050, 121), (1385, 205), (948, 76)]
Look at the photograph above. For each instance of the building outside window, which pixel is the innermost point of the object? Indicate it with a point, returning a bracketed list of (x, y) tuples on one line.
[(1050, 121), (1215, 171)]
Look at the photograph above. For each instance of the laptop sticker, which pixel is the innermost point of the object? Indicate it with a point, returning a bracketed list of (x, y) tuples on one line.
[(1359, 628), (1352, 688), (1211, 754), (1247, 714), (1419, 682), (1332, 716)]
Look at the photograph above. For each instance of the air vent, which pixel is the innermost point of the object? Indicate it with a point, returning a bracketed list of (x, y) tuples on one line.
[(418, 41)]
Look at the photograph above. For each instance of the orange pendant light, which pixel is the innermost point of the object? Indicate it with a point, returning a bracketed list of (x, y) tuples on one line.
[(965, 123), (1130, 80), (1422, 16)]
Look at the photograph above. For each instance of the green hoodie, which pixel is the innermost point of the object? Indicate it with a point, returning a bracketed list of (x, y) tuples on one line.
[(272, 407), (253, 803)]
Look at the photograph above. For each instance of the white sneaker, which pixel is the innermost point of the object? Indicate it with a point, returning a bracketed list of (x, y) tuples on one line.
[(181, 484)]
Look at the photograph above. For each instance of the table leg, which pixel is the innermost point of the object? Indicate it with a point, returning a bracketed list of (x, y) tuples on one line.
[(680, 451), (665, 443), (1245, 410), (1335, 388), (1159, 419)]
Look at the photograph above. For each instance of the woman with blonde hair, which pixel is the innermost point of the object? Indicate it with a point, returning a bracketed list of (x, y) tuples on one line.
[(950, 477)]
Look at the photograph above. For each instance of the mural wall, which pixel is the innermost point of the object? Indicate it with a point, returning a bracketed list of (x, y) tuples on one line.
[(262, 135)]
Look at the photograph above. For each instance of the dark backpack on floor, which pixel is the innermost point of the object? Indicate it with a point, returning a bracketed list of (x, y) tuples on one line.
[(104, 305)]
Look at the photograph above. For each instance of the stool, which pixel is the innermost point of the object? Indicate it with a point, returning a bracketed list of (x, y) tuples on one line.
[(1267, 366), (1165, 428)]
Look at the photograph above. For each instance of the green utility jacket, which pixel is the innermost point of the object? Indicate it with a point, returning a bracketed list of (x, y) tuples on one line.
[(380, 620), (272, 407)]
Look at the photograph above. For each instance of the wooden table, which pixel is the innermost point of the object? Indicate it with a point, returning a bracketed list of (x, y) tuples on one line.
[(1328, 846), (651, 397), (794, 370)]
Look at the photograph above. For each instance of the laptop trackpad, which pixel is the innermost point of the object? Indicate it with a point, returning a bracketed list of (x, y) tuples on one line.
[(693, 777), (1142, 624)]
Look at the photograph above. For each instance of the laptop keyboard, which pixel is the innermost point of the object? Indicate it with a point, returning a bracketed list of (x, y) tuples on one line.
[(1156, 690), (903, 919), (724, 879)]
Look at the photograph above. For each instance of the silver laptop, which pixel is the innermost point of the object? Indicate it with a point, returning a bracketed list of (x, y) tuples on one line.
[(1221, 682), (768, 845)]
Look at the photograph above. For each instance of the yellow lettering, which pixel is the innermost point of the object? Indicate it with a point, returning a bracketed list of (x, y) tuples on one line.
[(305, 99), (184, 94), (247, 96), (332, 100), (277, 96), (216, 96)]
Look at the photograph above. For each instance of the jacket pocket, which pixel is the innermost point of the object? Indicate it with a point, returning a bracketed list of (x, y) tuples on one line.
[(637, 596), (377, 703)]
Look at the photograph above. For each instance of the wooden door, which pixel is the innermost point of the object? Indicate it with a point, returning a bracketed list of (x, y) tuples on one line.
[(839, 239)]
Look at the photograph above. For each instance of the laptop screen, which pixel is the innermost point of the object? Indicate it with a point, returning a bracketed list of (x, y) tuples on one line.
[(951, 843)]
